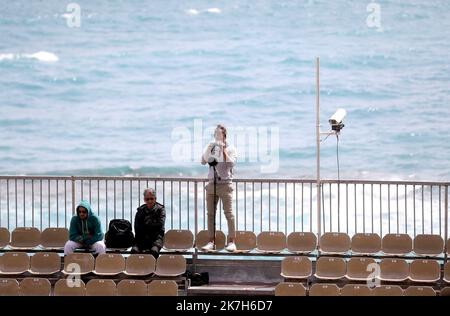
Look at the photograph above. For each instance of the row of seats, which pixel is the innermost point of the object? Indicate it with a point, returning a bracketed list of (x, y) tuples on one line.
[(46, 263), (359, 269), (320, 289), (95, 287), (269, 242)]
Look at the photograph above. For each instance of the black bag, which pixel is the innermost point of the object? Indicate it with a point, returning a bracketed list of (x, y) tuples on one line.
[(119, 234)]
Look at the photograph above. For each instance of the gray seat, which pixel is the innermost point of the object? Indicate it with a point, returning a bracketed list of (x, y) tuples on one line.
[(35, 287), (301, 242), (202, 239), (4, 237), (45, 263), (394, 270), (101, 287), (425, 271), (396, 244), (132, 288), (337, 243), (321, 289), (9, 287), (25, 238), (162, 288), (14, 263), (140, 264), (387, 290), (428, 245), (356, 290), (271, 242), (178, 240), (290, 289), (366, 243), (330, 268), (296, 267), (67, 287), (420, 291), (54, 238)]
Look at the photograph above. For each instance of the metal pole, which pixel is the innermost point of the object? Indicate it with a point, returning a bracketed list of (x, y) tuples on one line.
[(318, 145)]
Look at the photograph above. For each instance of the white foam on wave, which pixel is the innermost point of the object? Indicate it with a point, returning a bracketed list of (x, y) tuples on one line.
[(40, 56), (213, 10), (210, 10), (192, 12)]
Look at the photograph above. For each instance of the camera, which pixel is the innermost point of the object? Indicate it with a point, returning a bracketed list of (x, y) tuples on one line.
[(336, 120), (214, 154)]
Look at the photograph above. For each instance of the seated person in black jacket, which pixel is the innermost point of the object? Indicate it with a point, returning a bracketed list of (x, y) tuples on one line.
[(149, 225)]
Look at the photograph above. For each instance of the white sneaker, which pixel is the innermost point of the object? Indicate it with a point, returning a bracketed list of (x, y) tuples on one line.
[(208, 247), (231, 247)]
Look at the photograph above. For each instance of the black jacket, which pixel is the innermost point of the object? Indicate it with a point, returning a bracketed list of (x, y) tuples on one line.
[(149, 226)]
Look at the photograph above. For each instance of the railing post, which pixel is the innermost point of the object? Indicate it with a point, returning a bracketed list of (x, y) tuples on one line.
[(194, 256), (73, 194), (446, 222)]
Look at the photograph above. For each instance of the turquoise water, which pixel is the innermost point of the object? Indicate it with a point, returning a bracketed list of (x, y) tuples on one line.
[(106, 98)]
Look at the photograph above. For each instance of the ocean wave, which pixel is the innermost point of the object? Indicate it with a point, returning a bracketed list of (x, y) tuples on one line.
[(40, 56), (197, 12)]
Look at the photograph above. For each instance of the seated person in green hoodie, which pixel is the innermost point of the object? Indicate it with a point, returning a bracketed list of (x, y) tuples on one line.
[(85, 231)]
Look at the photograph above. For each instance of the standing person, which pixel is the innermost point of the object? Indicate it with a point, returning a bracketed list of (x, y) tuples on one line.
[(85, 231), (149, 225), (221, 157)]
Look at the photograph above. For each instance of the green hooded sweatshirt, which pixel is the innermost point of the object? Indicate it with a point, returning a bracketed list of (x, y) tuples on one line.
[(87, 231)]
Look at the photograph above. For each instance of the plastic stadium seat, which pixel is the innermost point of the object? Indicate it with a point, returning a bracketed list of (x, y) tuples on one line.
[(356, 290), (445, 291), (290, 289), (245, 241), (296, 267), (271, 242), (301, 242), (100, 287), (4, 237), (394, 270), (366, 243), (334, 243), (170, 265), (140, 264), (9, 287), (109, 264), (45, 263), (35, 287), (202, 239), (25, 238), (396, 244), (69, 287), (330, 268), (321, 289), (358, 268), (388, 290), (132, 288), (447, 272), (162, 288), (424, 271), (54, 238), (178, 240), (420, 291), (79, 263), (14, 263), (428, 245)]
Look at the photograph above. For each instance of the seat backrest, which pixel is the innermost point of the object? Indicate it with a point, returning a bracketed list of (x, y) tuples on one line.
[(4, 237), (271, 241), (101, 287), (109, 264), (14, 263), (25, 237), (428, 245), (35, 287), (425, 270), (132, 288), (358, 268), (170, 265), (290, 289), (321, 289), (67, 287), (140, 264), (296, 267), (448, 246), (334, 243), (356, 290), (330, 268), (178, 240), (202, 239), (445, 291), (420, 291), (396, 244), (388, 290), (45, 263), (79, 263), (9, 287), (394, 270), (366, 243), (301, 242), (163, 288), (447, 272), (245, 240), (54, 238)]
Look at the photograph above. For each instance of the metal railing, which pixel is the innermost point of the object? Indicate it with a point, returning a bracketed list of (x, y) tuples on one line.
[(285, 205)]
